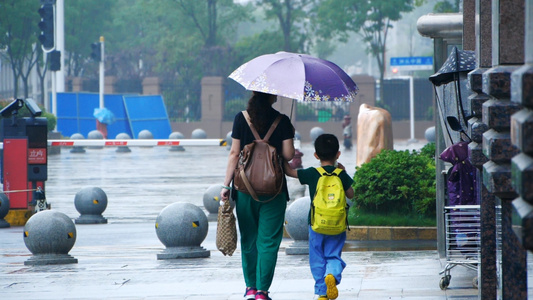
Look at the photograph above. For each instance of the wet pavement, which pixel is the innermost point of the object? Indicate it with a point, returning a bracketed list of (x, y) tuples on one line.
[(118, 260)]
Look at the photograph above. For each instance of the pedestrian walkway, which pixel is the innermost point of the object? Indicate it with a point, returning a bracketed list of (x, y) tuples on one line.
[(119, 261)]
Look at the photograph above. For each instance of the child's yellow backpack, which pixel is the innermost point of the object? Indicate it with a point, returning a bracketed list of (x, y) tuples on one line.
[(328, 209)]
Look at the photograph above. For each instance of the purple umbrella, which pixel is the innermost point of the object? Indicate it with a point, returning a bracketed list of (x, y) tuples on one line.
[(297, 76)]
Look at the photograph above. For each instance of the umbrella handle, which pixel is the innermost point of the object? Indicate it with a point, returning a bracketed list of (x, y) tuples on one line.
[(292, 107)]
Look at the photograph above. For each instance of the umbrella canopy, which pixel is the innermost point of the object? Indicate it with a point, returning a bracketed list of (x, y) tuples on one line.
[(104, 115), (457, 61), (297, 76)]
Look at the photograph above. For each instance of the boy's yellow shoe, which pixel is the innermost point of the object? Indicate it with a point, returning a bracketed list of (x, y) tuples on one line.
[(323, 297), (332, 291)]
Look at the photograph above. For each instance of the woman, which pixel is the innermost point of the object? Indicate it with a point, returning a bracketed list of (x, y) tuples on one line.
[(260, 223)]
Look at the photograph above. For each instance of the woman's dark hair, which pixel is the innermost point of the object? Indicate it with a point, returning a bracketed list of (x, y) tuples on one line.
[(326, 146), (260, 111)]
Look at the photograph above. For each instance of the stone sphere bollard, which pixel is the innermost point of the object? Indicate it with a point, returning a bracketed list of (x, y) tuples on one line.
[(315, 132), (212, 201), (296, 189), (4, 210), (95, 135), (49, 235), (123, 136), (429, 134), (297, 226), (182, 227), (198, 134), (145, 135), (176, 136), (229, 140), (77, 149), (90, 202)]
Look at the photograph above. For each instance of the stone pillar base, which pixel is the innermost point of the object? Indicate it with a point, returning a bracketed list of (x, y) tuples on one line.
[(91, 219), (299, 247), (50, 259)]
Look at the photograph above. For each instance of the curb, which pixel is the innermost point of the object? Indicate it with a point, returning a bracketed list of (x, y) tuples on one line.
[(387, 233), (390, 233)]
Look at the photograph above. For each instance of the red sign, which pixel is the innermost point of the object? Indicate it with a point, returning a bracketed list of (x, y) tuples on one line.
[(168, 143), (36, 156), (62, 144), (116, 143)]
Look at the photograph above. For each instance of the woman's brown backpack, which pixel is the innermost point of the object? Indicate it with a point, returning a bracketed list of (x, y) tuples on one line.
[(259, 171)]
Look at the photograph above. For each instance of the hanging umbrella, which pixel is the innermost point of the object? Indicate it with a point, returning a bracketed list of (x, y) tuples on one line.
[(457, 61), (296, 76), (449, 79)]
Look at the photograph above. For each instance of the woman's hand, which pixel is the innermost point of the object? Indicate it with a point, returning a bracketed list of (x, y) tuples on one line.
[(224, 194), (340, 166)]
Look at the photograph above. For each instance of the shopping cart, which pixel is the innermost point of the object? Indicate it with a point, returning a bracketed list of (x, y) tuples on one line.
[(462, 240)]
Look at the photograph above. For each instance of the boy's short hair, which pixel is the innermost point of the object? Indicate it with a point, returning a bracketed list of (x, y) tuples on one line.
[(326, 146)]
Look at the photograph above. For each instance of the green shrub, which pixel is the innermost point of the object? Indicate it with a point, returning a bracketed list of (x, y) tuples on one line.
[(428, 150), (399, 182)]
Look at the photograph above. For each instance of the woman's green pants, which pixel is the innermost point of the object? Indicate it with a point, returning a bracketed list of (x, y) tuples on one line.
[(261, 229)]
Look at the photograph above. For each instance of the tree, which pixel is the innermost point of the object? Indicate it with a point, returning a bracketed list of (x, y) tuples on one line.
[(214, 21), (292, 16), (447, 6), (370, 19), (85, 22), (18, 38), (179, 41)]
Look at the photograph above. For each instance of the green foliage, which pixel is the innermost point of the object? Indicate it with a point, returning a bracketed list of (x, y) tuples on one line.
[(234, 106), (370, 19), (428, 150), (400, 182), (258, 44), (85, 22), (447, 6), (291, 16), (305, 112)]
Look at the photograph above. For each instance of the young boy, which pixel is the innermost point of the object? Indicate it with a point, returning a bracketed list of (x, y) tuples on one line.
[(325, 250)]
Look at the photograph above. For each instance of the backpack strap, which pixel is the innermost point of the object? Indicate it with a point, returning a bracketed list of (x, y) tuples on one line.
[(323, 172), (252, 128), (254, 132)]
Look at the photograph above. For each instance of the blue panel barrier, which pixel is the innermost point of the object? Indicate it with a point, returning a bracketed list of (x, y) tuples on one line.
[(133, 113), (148, 113)]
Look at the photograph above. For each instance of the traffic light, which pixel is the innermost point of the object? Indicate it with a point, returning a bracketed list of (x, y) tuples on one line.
[(47, 26), (55, 60), (96, 52)]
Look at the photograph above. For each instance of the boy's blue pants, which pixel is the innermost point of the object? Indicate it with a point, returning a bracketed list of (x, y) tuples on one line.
[(325, 258)]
